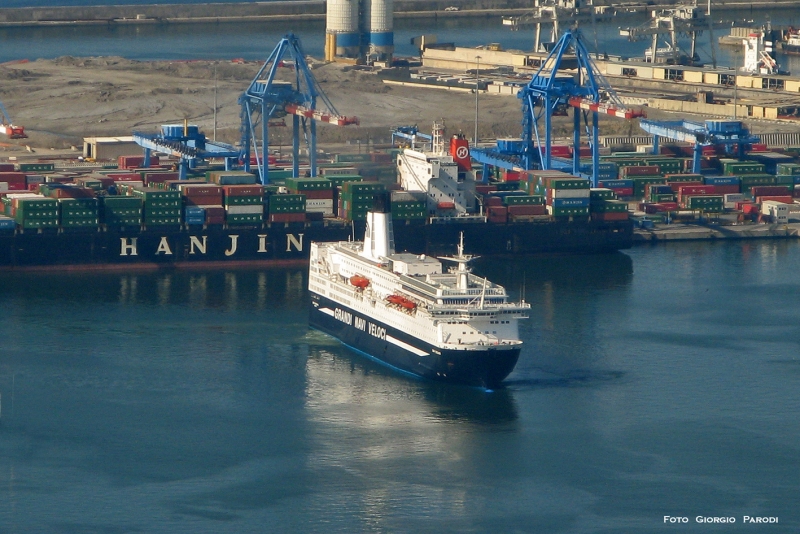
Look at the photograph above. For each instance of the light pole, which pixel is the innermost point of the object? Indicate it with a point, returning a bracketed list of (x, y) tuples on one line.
[(477, 79)]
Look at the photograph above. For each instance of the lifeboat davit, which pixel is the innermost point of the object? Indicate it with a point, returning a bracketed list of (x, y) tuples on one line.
[(359, 281)]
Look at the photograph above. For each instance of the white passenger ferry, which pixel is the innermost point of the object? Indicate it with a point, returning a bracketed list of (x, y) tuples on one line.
[(404, 311)]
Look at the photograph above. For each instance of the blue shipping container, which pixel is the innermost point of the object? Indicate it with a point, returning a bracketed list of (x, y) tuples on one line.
[(616, 184)]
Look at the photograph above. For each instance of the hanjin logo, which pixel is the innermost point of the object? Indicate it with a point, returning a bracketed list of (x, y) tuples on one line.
[(462, 152)]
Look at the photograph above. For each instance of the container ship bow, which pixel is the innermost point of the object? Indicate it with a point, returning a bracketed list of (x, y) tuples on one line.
[(402, 310)]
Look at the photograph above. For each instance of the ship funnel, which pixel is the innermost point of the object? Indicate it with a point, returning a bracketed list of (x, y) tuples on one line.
[(379, 235)]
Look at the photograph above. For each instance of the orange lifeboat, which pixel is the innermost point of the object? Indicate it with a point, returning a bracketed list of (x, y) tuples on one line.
[(402, 302), (359, 281)]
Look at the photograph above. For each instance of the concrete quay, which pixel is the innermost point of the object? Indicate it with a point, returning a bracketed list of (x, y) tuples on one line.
[(711, 232)]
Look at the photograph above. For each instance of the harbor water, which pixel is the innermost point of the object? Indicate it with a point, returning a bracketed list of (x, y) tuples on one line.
[(663, 381), (255, 40)]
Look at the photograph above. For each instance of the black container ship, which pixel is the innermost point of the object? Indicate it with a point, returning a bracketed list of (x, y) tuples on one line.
[(129, 217)]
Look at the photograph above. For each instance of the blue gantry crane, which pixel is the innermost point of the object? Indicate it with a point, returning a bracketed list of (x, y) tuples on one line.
[(411, 133), (557, 85), (268, 98), (731, 134)]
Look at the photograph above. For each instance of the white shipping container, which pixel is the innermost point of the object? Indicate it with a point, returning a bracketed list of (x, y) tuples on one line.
[(319, 203), (570, 193), (3, 186), (242, 210), (778, 210), (730, 199)]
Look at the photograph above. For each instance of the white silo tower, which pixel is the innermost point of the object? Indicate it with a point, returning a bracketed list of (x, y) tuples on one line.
[(379, 16), (342, 35)]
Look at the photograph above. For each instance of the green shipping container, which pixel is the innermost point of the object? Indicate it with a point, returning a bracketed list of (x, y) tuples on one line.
[(248, 200), (309, 184)]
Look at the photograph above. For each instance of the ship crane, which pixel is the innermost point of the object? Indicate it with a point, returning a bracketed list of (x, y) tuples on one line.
[(267, 99), (711, 132), (8, 128), (678, 21), (554, 12)]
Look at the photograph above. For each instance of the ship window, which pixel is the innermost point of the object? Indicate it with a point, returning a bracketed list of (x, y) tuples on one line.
[(494, 331)]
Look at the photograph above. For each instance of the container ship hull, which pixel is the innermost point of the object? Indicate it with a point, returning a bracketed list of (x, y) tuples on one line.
[(400, 351), (133, 247)]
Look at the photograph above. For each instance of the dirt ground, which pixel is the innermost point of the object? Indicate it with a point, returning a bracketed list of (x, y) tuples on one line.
[(63, 100)]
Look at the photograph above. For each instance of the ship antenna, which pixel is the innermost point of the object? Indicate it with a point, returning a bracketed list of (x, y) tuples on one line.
[(522, 300), (461, 246), (483, 292)]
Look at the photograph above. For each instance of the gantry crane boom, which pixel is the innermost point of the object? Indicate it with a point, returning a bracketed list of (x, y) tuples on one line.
[(268, 98), (8, 128)]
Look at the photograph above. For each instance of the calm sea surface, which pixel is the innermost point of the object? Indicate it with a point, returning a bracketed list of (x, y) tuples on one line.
[(661, 381), (255, 41)]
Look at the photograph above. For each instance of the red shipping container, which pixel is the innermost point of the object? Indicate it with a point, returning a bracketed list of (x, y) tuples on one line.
[(6, 167), (623, 191), (497, 214), (758, 147), (485, 189), (13, 177), (726, 189), (667, 206), (612, 216), (750, 209), (217, 219), (319, 194), (72, 192), (203, 200), (646, 170), (785, 199), (511, 176), (159, 177), (492, 200), (527, 209), (243, 190), (214, 210), (135, 162), (202, 190), (770, 191), (287, 217), (585, 151), (128, 176), (560, 151), (740, 205), (685, 190), (675, 185)]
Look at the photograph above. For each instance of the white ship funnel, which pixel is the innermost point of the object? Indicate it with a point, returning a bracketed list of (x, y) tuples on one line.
[(379, 235)]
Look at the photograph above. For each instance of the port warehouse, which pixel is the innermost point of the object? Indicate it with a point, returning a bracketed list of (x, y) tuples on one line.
[(759, 96)]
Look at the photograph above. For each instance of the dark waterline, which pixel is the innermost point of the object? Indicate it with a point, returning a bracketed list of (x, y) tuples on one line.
[(663, 381)]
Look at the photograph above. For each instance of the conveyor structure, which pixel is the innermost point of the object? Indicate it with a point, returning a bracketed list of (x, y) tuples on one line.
[(188, 144), (711, 132)]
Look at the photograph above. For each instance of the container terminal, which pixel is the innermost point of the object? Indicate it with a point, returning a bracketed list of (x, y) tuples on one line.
[(181, 199)]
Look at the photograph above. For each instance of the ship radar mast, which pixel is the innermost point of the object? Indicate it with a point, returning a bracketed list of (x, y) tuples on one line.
[(462, 272)]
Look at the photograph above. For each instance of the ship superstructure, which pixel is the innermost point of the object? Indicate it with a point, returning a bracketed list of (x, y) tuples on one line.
[(407, 312), (446, 178)]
